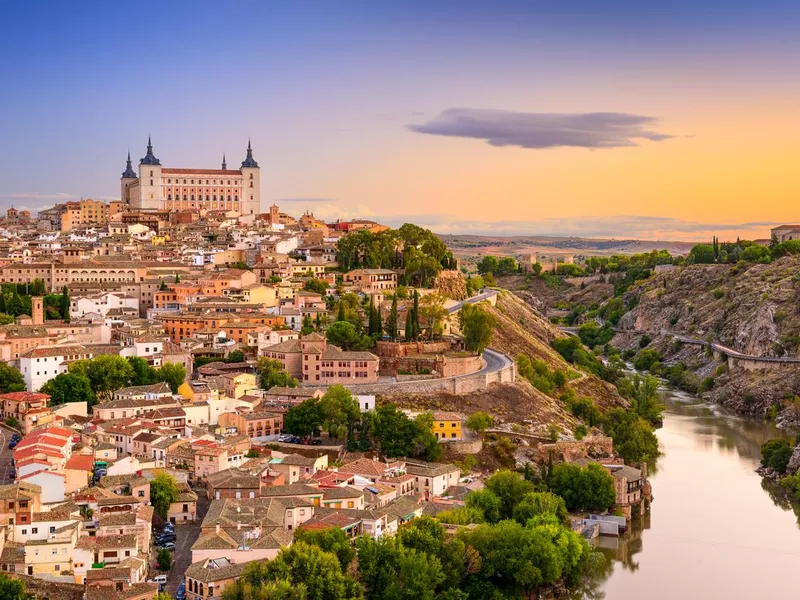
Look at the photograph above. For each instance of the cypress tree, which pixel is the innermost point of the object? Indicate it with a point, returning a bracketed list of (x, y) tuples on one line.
[(371, 319), (391, 322), (409, 326), (416, 314), (378, 322), (341, 316)]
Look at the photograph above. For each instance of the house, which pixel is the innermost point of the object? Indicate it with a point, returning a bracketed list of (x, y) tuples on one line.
[(371, 281), (211, 457), (233, 483), (24, 407), (307, 465), (207, 579), (236, 385), (258, 426), (432, 479), (184, 509), (106, 549), (631, 488), (127, 485), (784, 233), (313, 362), (301, 491), (18, 503), (372, 470), (342, 497), (138, 523), (41, 364), (78, 472), (247, 529), (447, 425)]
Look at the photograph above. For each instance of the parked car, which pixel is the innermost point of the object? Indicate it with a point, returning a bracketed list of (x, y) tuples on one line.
[(162, 579), (15, 437), (181, 593), (284, 438), (316, 442), (169, 546), (166, 537)]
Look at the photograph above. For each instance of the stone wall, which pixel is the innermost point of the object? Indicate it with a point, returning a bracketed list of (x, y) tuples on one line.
[(51, 590), (460, 365), (590, 446), (411, 364), (464, 447), (386, 349)]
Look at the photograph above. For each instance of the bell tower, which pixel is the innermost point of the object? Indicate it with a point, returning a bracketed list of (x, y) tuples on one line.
[(251, 184)]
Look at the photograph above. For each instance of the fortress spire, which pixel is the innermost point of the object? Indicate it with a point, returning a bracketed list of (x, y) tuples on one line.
[(129, 173)]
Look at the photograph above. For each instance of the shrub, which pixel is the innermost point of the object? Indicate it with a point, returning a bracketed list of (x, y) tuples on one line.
[(775, 454), (717, 293), (706, 385), (645, 359), (644, 341), (164, 559)]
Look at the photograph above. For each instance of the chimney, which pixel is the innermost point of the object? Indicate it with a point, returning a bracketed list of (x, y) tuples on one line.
[(238, 526), (37, 310), (217, 527)]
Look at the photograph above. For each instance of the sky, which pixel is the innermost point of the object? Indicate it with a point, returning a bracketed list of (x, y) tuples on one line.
[(676, 120)]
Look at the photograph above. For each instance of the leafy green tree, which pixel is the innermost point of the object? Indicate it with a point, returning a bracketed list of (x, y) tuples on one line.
[(68, 387), (486, 503), (307, 326), (538, 504), (480, 421), (318, 286), (644, 396), (583, 488), (143, 373), (237, 356), (308, 565), (432, 309), (510, 488), (425, 444), (394, 431), (163, 492), (344, 335), (701, 254), (340, 411), (164, 559), (106, 373), (477, 326), (645, 359), (304, 419), (65, 303), (633, 437), (10, 379), (174, 374), (272, 374), (333, 540), (13, 589)]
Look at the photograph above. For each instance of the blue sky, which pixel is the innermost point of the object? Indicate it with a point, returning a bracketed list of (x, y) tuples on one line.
[(344, 104)]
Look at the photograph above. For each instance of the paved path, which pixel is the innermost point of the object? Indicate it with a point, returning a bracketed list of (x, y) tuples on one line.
[(5, 455), (485, 295), (186, 537)]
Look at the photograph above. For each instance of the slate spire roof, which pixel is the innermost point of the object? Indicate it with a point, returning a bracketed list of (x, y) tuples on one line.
[(249, 161), (150, 158), (129, 173)]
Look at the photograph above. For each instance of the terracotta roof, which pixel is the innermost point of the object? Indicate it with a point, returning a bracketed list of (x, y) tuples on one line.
[(80, 462), (24, 396), (210, 570)]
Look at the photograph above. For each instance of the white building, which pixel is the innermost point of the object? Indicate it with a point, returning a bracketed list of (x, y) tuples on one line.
[(40, 365), (102, 303), (161, 188)]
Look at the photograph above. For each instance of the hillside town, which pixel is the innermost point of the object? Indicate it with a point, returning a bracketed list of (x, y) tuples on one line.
[(190, 385)]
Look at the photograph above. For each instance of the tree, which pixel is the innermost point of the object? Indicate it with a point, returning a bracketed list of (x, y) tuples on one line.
[(340, 411), (480, 421), (319, 572), (486, 503), (344, 335), (318, 286), (510, 488), (409, 326), (163, 492), (177, 278), (10, 379), (143, 373), (272, 374), (173, 374), (340, 317), (69, 387), (701, 254), (645, 359), (13, 589), (106, 373), (304, 419), (394, 431), (424, 443), (633, 437), (537, 504), (433, 311), (643, 394), (587, 488), (307, 326), (391, 320), (477, 327), (237, 356), (333, 540), (163, 287), (65, 303), (415, 315), (164, 559)]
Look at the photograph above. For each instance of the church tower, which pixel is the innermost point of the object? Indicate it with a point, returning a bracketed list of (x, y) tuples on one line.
[(274, 214), (150, 192), (128, 178), (251, 185)]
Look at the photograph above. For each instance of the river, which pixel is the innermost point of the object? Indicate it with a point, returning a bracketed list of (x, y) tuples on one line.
[(714, 531)]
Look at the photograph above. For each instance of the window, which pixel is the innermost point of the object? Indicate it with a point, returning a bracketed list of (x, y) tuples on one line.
[(34, 530)]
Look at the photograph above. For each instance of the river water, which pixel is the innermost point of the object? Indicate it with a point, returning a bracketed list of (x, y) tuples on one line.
[(714, 531)]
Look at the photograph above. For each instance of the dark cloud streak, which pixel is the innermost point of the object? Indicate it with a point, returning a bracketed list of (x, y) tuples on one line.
[(544, 130)]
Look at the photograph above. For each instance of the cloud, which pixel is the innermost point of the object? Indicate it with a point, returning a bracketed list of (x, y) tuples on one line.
[(617, 226), (544, 130)]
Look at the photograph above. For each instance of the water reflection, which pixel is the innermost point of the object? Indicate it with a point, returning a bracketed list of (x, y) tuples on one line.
[(715, 529)]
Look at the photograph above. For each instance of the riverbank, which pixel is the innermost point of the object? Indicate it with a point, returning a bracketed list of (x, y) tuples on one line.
[(718, 529)]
